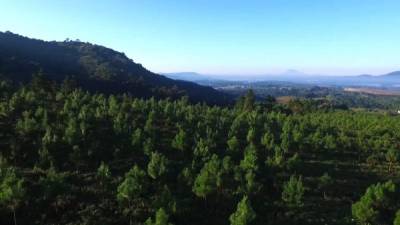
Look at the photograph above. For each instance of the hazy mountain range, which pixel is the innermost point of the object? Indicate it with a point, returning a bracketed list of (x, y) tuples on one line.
[(388, 80)]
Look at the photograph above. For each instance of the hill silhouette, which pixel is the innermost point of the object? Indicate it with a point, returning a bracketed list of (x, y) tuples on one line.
[(94, 67)]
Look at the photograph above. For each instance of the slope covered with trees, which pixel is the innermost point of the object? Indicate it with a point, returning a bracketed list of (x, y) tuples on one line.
[(93, 67), (72, 157)]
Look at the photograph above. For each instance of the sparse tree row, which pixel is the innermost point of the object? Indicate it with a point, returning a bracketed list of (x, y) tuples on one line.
[(70, 157)]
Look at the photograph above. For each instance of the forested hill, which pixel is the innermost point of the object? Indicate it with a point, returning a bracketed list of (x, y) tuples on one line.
[(94, 67)]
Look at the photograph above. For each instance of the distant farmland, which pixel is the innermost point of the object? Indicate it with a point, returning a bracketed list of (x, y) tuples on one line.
[(373, 91)]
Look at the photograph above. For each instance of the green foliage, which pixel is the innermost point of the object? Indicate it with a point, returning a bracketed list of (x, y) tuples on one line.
[(287, 136), (27, 124), (251, 136), (277, 159), (103, 173), (252, 187), (166, 199), (397, 218), (181, 140), (294, 162), (202, 151), (244, 213), (157, 165), (53, 183), (233, 144), (268, 140), (293, 191), (65, 144), (375, 205), (161, 218), (249, 100), (133, 186), (209, 178), (250, 159), (325, 181), (12, 191), (72, 132), (392, 156), (137, 137)]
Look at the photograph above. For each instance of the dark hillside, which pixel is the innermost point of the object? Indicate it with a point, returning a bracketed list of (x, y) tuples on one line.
[(95, 68)]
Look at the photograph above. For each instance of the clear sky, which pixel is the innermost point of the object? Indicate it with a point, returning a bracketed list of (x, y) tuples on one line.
[(338, 37)]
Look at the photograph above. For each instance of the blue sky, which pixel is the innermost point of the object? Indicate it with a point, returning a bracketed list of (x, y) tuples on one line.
[(338, 37)]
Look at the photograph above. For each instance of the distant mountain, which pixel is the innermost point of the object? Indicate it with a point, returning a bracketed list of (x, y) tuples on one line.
[(95, 68), (205, 79), (188, 76), (392, 74), (390, 80), (365, 75), (292, 72)]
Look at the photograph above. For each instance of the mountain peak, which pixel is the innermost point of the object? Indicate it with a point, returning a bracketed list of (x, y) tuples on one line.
[(188, 76)]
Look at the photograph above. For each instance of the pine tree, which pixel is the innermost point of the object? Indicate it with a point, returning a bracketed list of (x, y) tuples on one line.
[(293, 191), (133, 186), (72, 131), (286, 136), (12, 191), (392, 156), (131, 189), (249, 101), (233, 145), (252, 186), (209, 178), (201, 152), (181, 140), (161, 218), (251, 136), (27, 125), (137, 138), (277, 159), (103, 175), (150, 126), (374, 205), (267, 140), (157, 165), (250, 159), (244, 214)]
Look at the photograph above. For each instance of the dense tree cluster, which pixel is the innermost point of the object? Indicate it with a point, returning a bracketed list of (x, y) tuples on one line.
[(71, 157)]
